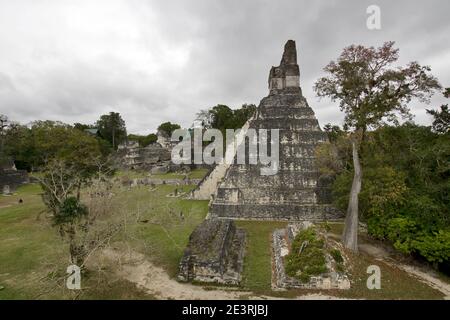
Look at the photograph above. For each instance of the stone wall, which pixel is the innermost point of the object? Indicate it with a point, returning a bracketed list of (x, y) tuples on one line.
[(160, 181), (281, 242), (215, 253), (208, 186), (152, 157), (13, 179)]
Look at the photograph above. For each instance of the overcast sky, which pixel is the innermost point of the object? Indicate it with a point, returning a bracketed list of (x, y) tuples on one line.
[(156, 61)]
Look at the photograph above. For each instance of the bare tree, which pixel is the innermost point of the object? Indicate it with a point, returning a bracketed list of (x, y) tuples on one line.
[(79, 222)]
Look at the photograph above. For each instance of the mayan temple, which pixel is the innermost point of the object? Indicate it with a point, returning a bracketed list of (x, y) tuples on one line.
[(296, 192)]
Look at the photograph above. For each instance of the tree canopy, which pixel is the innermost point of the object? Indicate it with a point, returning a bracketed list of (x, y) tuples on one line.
[(112, 128), (371, 92), (143, 140), (405, 192), (168, 127), (441, 118)]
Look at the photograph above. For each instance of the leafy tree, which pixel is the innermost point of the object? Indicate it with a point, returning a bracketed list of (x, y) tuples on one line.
[(441, 122), (143, 140), (240, 116), (82, 127), (404, 197), (333, 132), (75, 221), (32, 147), (371, 92), (205, 117), (112, 128), (222, 117), (168, 128)]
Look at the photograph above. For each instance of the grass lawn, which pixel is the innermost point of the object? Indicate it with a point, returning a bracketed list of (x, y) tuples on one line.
[(27, 243), (258, 257), (31, 249), (165, 223), (395, 283)]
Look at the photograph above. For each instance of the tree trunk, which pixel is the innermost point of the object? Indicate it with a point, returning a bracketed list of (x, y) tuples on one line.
[(113, 139), (78, 191), (350, 234)]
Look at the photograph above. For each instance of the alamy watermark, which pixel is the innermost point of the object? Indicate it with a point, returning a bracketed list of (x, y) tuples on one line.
[(263, 147), (73, 281), (374, 280), (373, 21)]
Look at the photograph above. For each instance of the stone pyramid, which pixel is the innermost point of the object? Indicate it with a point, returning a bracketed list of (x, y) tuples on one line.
[(296, 192)]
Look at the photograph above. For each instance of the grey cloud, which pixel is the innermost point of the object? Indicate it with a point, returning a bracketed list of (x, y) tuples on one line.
[(165, 60)]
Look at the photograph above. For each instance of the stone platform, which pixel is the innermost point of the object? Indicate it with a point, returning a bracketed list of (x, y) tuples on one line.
[(282, 240), (11, 179), (215, 253)]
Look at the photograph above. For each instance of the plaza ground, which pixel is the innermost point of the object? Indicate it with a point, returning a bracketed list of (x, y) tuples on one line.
[(142, 261)]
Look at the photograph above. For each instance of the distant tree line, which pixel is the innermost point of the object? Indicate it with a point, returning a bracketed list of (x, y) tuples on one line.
[(223, 117), (32, 146), (71, 158)]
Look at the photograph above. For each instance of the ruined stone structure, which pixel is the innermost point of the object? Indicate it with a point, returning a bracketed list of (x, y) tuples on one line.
[(153, 157), (296, 192), (208, 186), (214, 254), (11, 178), (281, 244), (164, 140)]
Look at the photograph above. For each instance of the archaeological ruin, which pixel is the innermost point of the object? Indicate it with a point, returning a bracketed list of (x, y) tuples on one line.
[(154, 157), (296, 192), (333, 278), (239, 191), (214, 254), (11, 178)]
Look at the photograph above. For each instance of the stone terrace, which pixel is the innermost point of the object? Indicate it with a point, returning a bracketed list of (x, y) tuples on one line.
[(296, 192)]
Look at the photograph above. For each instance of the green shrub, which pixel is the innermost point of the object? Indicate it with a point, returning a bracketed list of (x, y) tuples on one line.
[(70, 210), (340, 267), (408, 237), (405, 187), (434, 247), (337, 256), (310, 261)]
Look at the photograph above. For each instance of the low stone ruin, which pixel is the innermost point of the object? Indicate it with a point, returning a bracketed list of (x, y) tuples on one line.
[(282, 241), (159, 181), (215, 253), (153, 157), (6, 190), (11, 178), (164, 140)]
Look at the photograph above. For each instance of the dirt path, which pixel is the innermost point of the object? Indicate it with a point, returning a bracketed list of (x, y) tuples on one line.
[(134, 267), (155, 281), (425, 276)]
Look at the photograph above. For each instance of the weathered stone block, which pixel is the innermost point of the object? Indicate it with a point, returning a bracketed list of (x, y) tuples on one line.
[(11, 179), (282, 240), (214, 254)]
